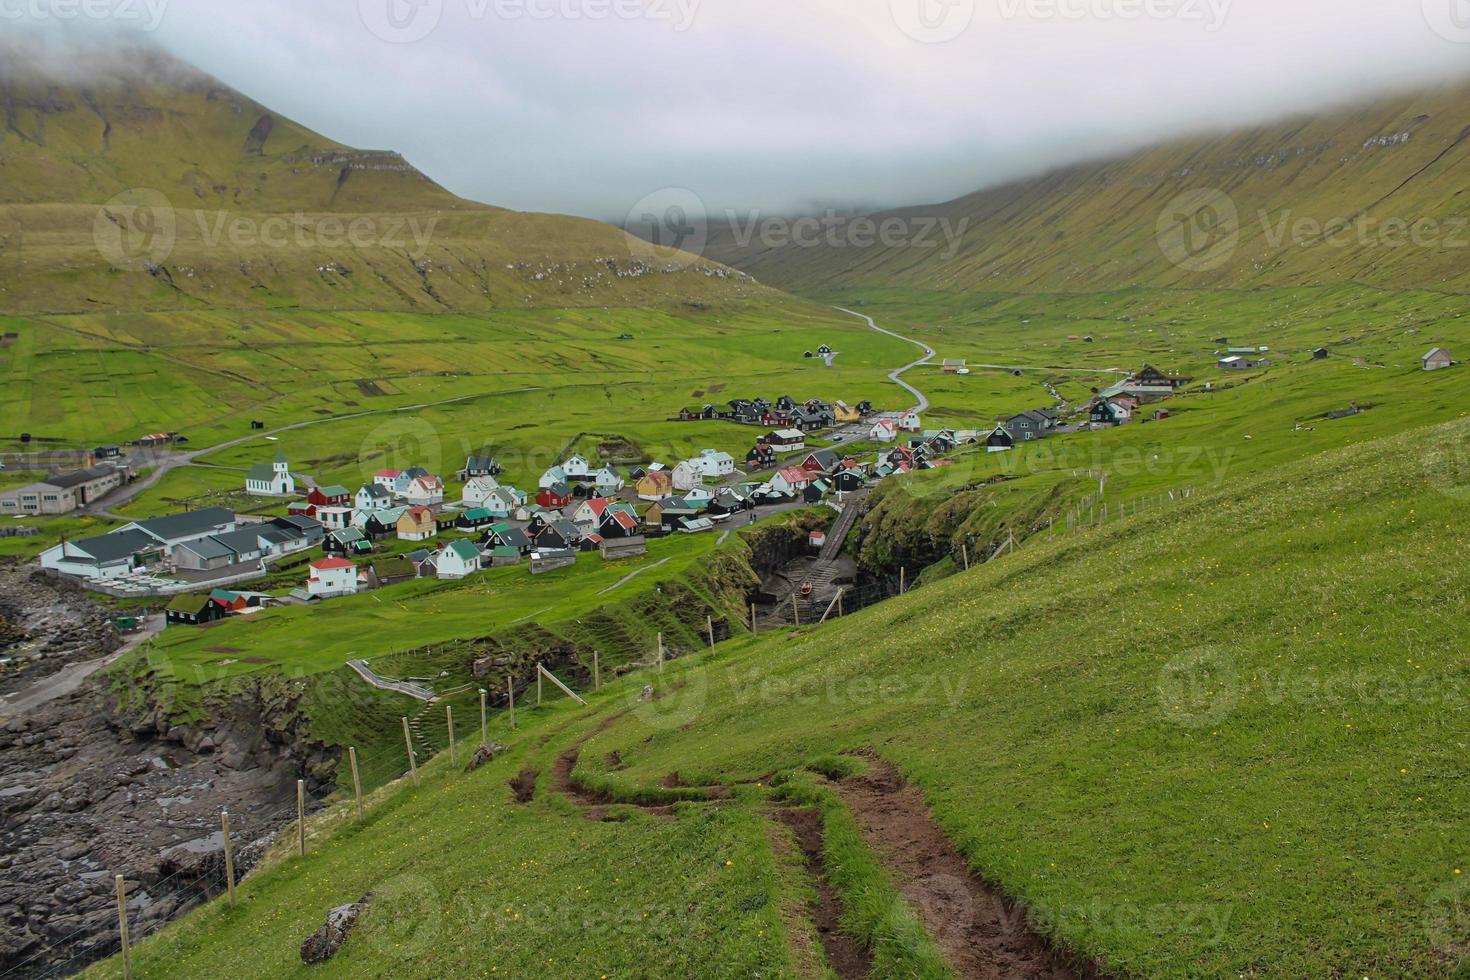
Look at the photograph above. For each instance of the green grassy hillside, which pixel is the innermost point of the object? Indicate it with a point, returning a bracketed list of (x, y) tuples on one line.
[(152, 186), (1213, 740), (1257, 207)]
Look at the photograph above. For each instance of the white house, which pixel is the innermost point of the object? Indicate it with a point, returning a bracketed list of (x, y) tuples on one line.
[(790, 481), (477, 490), (884, 430), (332, 577), (374, 496), (387, 479), (457, 559), (274, 480), (576, 468), (715, 464), (699, 495), (424, 491), (552, 477), (688, 475), (910, 422), (503, 501), (608, 481), (334, 518)]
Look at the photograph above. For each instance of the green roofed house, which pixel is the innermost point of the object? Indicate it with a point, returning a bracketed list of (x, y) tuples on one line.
[(193, 610), (457, 559), (391, 571)]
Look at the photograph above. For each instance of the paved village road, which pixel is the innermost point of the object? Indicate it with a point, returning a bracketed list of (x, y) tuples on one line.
[(896, 376)]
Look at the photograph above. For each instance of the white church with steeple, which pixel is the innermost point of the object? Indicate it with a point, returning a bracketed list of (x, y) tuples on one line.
[(274, 480)]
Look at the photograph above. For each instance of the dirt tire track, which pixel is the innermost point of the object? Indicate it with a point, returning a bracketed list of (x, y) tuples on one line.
[(981, 933), (846, 956)]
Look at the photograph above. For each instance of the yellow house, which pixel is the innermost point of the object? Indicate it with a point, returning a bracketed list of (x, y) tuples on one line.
[(656, 486), (417, 524), (845, 412)]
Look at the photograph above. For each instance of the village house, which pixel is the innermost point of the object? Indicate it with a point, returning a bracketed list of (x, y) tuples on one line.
[(552, 477), (504, 536), (729, 501), (378, 523), (787, 440), (815, 492), (554, 497), (503, 502), (1437, 360), (271, 480), (1240, 362), (405, 479), (576, 468), (820, 461), (884, 430), (347, 543), (193, 610), (417, 524), (63, 493), (387, 479), (607, 481), (790, 481), (1106, 414), (688, 475), (844, 412), (391, 571), (910, 422), (951, 366), (477, 466), (762, 457), (477, 490), (474, 519), (554, 535), (619, 521), (136, 544), (588, 514), (318, 498), (699, 496), (999, 440), (716, 465), (456, 560), (374, 496), (332, 577), (655, 486), (424, 491), (1028, 426)]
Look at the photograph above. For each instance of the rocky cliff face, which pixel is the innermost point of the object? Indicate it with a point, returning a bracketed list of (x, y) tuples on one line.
[(89, 790)]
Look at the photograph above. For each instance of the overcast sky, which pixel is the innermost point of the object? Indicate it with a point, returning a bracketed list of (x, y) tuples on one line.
[(587, 106)]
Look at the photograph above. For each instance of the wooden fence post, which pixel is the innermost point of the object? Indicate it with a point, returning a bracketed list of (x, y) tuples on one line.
[(965, 548), (413, 765), (122, 926), (224, 826), (301, 815), (449, 720), (484, 737), (840, 594), (903, 579), (538, 685), (660, 653), (795, 610), (356, 782), (510, 685), (754, 628), (596, 671), (710, 622)]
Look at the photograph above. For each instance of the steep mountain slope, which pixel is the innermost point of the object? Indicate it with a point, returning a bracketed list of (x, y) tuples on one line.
[(1243, 209), (146, 184)]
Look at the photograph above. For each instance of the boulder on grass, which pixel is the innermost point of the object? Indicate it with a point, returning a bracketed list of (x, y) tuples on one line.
[(323, 944)]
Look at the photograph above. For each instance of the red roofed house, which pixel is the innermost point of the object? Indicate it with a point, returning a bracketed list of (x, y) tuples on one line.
[(417, 524), (790, 481), (332, 577), (387, 478)]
